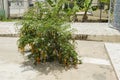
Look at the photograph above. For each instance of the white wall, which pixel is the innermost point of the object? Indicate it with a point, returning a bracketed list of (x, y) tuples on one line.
[(17, 10)]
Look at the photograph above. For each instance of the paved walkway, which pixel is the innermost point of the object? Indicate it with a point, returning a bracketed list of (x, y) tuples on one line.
[(87, 31), (8, 29), (96, 32), (84, 31), (95, 29), (82, 28), (113, 50), (96, 65)]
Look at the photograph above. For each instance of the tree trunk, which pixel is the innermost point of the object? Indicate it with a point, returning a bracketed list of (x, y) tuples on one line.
[(85, 17)]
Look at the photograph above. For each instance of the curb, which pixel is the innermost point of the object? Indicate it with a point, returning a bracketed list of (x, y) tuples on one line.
[(86, 37), (103, 38), (9, 35)]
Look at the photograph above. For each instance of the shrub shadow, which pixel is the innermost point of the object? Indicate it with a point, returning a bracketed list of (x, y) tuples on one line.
[(45, 68)]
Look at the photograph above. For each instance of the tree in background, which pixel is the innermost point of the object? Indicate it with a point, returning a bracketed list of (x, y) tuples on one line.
[(80, 3), (87, 5)]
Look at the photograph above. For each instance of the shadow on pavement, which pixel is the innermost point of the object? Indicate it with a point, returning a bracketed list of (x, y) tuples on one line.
[(45, 68)]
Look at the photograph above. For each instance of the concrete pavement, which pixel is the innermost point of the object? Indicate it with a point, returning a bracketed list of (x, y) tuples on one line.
[(96, 32), (96, 65), (95, 57), (83, 31), (113, 50), (8, 29)]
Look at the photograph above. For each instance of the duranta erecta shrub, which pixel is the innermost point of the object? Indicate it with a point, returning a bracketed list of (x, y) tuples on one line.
[(46, 32)]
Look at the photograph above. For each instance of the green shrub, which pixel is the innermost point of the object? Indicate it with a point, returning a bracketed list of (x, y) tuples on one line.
[(47, 34)]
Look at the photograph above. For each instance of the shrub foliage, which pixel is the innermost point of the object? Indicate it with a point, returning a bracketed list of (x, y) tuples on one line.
[(47, 34)]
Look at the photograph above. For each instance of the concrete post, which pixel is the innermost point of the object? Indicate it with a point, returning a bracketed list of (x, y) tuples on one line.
[(1, 4), (26, 4), (116, 21), (6, 8)]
